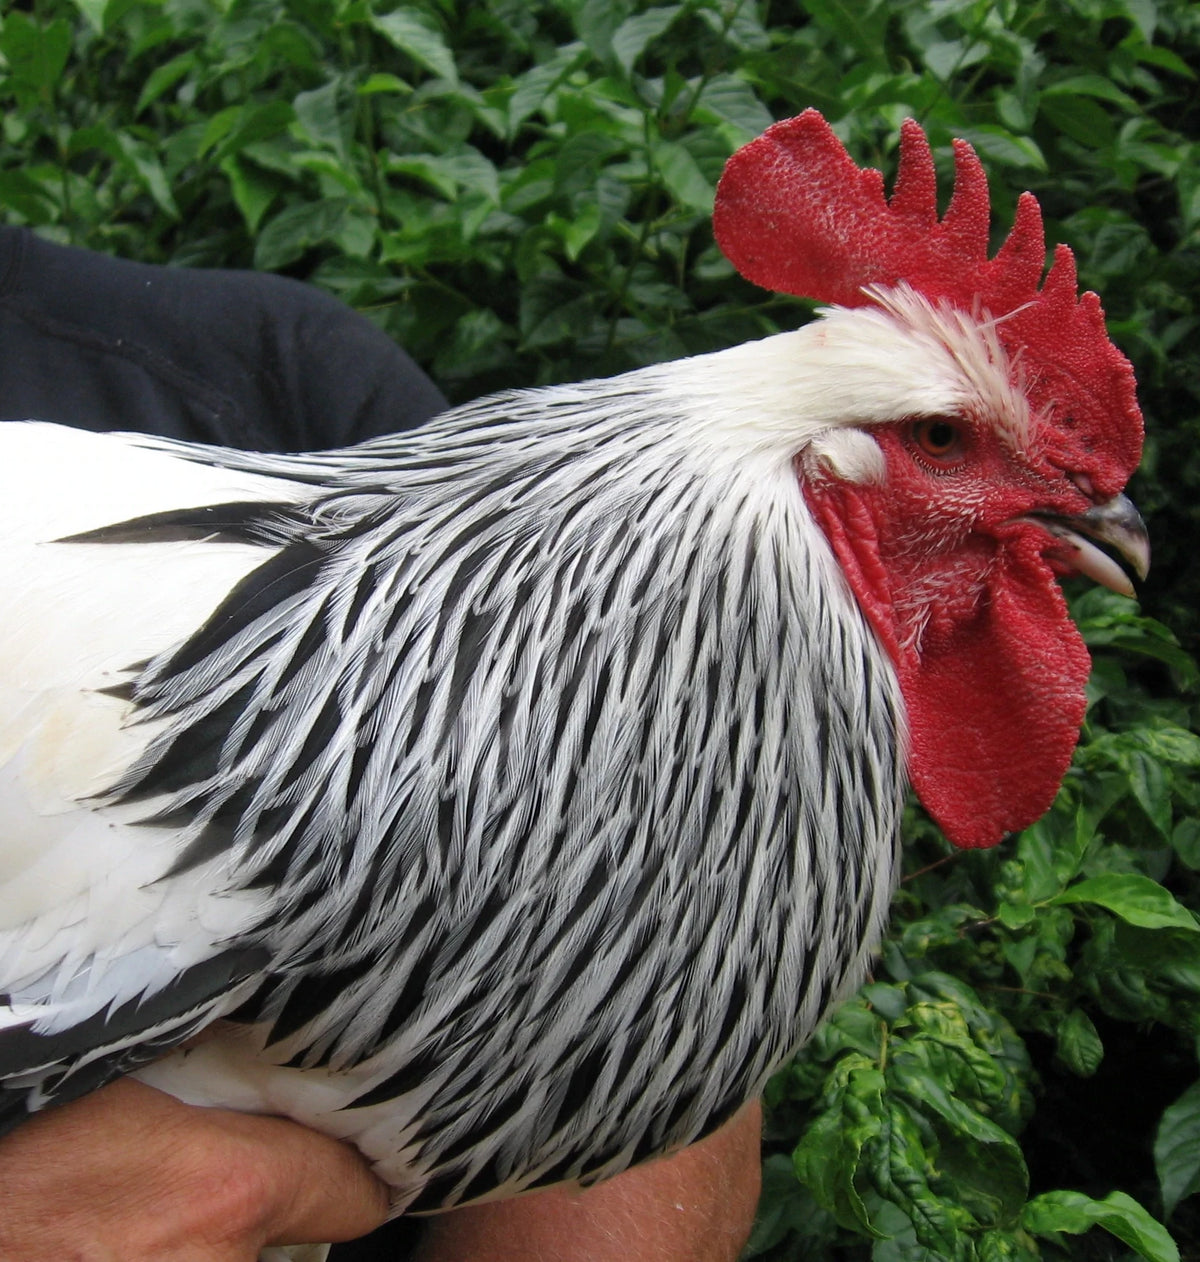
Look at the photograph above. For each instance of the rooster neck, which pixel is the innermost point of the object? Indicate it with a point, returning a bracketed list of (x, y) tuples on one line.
[(584, 737)]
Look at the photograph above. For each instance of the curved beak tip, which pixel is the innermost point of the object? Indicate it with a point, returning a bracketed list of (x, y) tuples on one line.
[(1116, 523)]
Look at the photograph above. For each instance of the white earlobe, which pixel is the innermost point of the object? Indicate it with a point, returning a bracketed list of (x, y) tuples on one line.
[(851, 455)]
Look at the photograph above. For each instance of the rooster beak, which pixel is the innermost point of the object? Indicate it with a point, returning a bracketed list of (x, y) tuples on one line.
[(1115, 522)]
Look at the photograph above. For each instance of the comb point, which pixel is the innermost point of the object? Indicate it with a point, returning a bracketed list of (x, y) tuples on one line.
[(1061, 281), (968, 217), (915, 195), (1017, 269)]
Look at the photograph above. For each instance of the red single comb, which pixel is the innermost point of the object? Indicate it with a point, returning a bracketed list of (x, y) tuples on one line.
[(796, 215)]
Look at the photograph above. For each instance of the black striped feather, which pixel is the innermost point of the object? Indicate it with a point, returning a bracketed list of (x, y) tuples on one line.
[(568, 763)]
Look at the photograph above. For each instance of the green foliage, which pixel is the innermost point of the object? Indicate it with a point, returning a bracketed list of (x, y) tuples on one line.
[(1177, 1148), (920, 1091), (520, 192), (1072, 1212)]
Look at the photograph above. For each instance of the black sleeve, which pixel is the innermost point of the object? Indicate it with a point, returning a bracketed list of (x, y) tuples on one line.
[(244, 359)]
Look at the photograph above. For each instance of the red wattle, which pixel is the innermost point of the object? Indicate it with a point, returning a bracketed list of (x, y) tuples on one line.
[(994, 711), (994, 699)]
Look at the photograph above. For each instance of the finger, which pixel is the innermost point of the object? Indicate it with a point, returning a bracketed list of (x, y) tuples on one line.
[(134, 1171), (323, 1189)]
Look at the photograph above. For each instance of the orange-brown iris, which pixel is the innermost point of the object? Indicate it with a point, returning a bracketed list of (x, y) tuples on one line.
[(939, 439)]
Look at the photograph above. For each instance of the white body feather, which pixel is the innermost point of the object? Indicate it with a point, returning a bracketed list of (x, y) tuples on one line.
[(86, 920)]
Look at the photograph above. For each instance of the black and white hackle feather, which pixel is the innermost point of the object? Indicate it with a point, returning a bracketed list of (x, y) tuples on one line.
[(522, 789)]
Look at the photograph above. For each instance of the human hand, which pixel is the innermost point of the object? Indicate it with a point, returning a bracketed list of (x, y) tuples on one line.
[(129, 1174)]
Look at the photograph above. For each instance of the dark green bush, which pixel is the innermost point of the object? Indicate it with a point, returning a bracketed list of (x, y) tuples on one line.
[(520, 192)]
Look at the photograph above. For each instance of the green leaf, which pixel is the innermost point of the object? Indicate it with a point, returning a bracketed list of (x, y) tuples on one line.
[(335, 177), (899, 1167), (828, 1157), (1047, 862), (1005, 146), (891, 1002), (135, 156), (1156, 55), (145, 162), (981, 1159), (480, 342), (1081, 119), (578, 231), (32, 199), (36, 55), (466, 170), (1078, 1044), (1168, 744), (163, 78), (554, 310), (736, 22), (579, 159), (681, 174), (1185, 840), (427, 168), (417, 35), (947, 58), (1016, 916), (300, 227), (536, 86), (1144, 14), (859, 26), (787, 1206), (317, 112), (1134, 898), (1177, 1149), (252, 190), (231, 130), (596, 22), (376, 83), (1149, 784), (1006, 1246), (93, 10), (1090, 85), (731, 105), (635, 34), (1075, 1213)]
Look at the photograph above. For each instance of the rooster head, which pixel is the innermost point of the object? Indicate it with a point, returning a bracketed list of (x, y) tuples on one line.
[(1012, 429)]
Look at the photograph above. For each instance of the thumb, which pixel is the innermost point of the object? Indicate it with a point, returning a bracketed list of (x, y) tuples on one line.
[(317, 1189)]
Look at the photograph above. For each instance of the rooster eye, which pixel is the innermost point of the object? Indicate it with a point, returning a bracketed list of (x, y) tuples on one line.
[(939, 439)]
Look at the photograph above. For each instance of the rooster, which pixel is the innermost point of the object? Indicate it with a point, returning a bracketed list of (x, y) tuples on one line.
[(513, 796)]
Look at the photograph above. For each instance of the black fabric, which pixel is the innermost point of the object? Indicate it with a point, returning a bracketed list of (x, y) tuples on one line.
[(243, 359)]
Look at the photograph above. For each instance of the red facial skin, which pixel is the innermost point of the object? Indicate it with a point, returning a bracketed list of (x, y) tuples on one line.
[(962, 592)]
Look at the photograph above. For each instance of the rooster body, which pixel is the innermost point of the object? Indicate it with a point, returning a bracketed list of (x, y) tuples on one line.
[(524, 788), (444, 603)]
